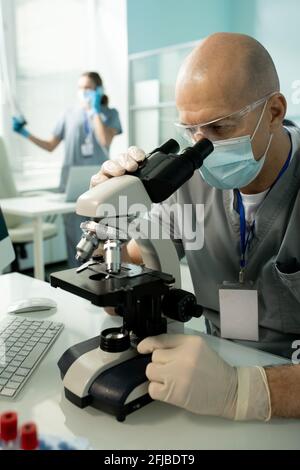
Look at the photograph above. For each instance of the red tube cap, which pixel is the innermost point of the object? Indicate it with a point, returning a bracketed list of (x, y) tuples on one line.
[(9, 426), (29, 437)]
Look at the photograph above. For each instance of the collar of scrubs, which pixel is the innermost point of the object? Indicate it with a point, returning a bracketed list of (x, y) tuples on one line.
[(247, 235)]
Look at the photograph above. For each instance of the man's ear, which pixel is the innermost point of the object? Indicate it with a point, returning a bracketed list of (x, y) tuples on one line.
[(277, 109)]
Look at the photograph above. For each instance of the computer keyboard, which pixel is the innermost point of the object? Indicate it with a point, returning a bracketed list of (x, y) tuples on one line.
[(23, 343)]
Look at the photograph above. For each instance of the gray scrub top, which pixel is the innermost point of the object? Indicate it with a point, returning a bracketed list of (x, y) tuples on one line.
[(273, 256), (73, 130)]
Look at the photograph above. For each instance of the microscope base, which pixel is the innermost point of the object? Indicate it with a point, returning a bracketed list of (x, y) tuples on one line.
[(118, 390)]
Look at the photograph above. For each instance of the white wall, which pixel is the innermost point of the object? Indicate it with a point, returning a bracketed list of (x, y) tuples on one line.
[(277, 27), (111, 59)]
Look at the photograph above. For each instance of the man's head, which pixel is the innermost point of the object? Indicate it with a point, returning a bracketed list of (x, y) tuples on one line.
[(223, 75)]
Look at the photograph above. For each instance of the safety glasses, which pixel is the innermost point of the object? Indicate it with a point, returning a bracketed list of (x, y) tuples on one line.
[(220, 128)]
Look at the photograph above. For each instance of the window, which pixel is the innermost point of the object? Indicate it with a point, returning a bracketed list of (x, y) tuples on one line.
[(48, 44), (51, 51), (152, 95)]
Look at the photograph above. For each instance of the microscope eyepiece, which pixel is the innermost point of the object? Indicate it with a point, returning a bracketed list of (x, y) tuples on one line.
[(171, 146), (198, 153), (164, 173)]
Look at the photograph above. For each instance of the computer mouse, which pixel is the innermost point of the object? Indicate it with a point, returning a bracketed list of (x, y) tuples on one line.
[(34, 304)]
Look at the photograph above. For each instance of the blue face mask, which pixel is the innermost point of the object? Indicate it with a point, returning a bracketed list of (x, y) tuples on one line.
[(85, 97), (232, 164)]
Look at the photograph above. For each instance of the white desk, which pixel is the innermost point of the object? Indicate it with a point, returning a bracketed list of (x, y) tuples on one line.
[(36, 208), (157, 426)]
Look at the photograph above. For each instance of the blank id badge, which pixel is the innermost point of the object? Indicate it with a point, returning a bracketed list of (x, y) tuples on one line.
[(238, 311), (87, 149)]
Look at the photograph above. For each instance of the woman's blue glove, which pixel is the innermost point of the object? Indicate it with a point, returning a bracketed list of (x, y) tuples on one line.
[(18, 127), (95, 97)]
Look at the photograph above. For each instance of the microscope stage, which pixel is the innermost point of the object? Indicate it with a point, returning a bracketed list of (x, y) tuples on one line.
[(102, 289)]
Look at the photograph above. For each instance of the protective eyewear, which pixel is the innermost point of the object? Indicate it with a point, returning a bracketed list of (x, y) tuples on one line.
[(219, 128)]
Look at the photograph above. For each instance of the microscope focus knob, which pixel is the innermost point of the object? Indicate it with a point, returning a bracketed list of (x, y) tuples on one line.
[(181, 305)]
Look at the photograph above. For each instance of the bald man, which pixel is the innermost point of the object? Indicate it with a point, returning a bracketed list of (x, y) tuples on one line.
[(228, 91)]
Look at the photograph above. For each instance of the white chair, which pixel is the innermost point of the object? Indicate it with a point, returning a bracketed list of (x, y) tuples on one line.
[(21, 233)]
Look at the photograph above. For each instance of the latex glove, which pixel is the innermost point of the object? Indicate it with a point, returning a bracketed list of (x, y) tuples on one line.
[(118, 166), (187, 373), (95, 98), (18, 127)]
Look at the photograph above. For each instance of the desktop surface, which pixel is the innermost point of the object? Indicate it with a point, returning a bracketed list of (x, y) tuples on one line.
[(156, 426), (36, 206)]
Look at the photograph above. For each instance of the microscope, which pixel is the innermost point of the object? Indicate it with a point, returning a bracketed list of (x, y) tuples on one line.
[(107, 372)]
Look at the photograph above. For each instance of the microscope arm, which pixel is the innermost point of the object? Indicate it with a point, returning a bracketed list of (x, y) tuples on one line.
[(118, 197)]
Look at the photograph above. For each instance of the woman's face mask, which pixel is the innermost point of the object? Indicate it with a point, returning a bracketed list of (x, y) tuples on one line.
[(232, 164), (84, 96)]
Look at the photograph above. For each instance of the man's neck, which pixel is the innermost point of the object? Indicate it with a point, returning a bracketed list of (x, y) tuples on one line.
[(276, 158)]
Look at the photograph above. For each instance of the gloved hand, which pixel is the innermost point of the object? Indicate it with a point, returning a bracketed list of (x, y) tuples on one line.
[(18, 127), (95, 98), (187, 373), (128, 161)]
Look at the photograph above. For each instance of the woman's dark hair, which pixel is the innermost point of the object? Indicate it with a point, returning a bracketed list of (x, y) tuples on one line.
[(97, 80)]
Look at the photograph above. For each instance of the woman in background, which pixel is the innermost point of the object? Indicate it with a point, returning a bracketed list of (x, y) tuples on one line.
[(87, 131)]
